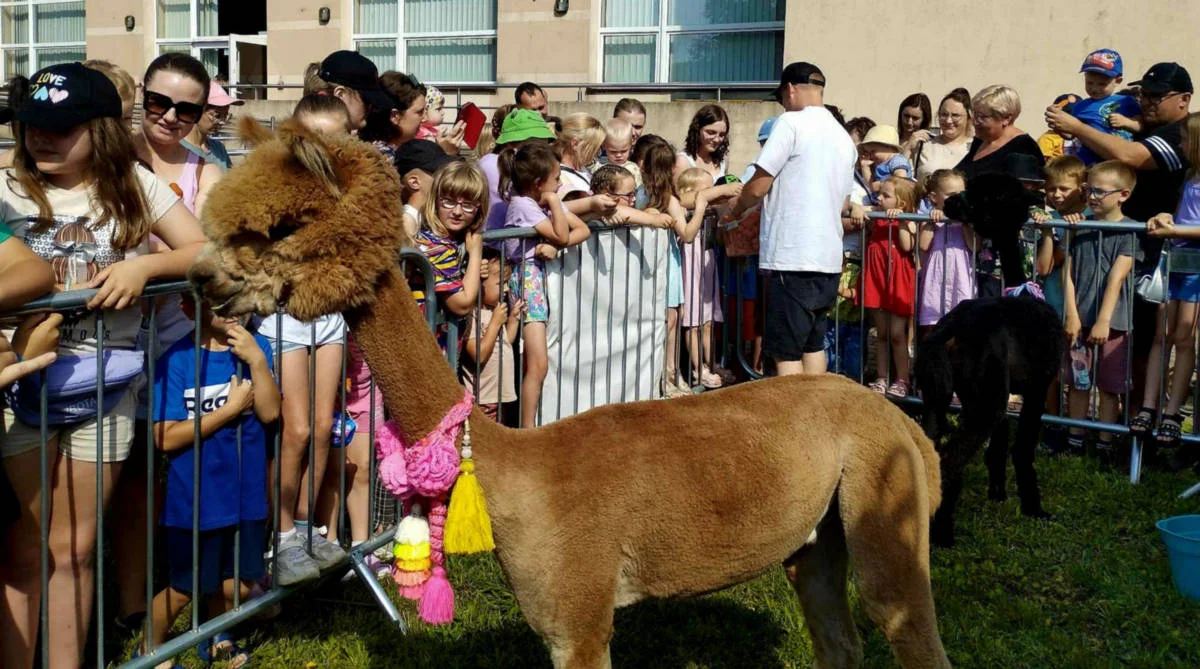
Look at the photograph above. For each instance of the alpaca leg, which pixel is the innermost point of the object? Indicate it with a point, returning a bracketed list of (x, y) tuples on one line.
[(579, 638), (1028, 429), (996, 458), (980, 412), (818, 573), (884, 508), (572, 610)]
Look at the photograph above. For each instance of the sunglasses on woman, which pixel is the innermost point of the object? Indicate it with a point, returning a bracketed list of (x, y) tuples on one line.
[(158, 104)]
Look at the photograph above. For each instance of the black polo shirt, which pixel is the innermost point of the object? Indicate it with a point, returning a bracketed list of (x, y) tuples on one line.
[(1157, 190)]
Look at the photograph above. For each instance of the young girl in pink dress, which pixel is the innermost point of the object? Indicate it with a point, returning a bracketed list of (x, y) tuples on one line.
[(947, 277)]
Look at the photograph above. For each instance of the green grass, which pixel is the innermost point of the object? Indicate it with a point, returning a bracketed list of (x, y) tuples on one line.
[(1090, 588)]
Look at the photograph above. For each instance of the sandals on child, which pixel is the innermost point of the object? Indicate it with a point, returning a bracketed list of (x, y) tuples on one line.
[(898, 389), (1170, 430), (1142, 424), (879, 385), (230, 654)]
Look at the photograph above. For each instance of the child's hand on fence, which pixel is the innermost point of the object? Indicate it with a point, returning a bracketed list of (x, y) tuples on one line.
[(474, 244), (858, 215), (937, 216), (241, 396), (665, 221), (243, 345), (499, 316), (37, 335), (1162, 225), (11, 369), (893, 213), (604, 205), (1073, 218), (515, 314), (120, 285), (1039, 217), (545, 251), (1099, 333), (1071, 326)]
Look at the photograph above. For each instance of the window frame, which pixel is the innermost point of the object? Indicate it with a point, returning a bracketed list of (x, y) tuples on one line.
[(402, 39), (194, 42), (665, 31), (31, 45)]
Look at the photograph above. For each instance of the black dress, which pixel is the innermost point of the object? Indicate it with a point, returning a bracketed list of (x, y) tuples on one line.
[(994, 162)]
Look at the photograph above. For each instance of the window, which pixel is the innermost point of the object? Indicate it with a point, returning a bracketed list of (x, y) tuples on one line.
[(36, 34), (692, 41), (451, 41), (190, 26)]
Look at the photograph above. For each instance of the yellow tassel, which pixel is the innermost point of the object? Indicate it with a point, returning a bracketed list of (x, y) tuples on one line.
[(468, 526), (410, 552)]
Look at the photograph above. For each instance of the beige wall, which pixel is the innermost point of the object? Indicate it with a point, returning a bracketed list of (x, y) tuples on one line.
[(295, 38), (535, 45), (1032, 45), (108, 39)]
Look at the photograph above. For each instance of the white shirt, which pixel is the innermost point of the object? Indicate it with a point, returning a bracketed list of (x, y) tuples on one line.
[(812, 159)]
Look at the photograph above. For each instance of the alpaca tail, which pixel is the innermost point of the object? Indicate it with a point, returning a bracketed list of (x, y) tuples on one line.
[(934, 373)]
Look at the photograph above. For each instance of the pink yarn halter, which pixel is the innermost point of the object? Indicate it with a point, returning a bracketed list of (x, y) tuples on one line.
[(429, 466)]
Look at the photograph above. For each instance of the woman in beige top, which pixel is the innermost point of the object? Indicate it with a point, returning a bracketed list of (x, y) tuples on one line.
[(948, 148)]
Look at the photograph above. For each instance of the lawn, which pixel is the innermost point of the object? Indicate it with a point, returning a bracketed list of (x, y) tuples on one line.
[(1090, 588)]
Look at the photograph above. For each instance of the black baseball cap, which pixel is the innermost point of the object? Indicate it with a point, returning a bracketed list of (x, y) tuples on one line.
[(63, 96), (799, 73), (421, 154), (1163, 78), (353, 70)]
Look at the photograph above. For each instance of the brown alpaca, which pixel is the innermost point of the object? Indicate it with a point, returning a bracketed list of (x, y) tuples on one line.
[(624, 502)]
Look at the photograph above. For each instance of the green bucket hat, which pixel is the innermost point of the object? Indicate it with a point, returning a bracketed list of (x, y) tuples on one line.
[(523, 124)]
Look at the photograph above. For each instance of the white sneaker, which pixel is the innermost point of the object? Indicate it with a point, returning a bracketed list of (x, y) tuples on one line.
[(324, 552)]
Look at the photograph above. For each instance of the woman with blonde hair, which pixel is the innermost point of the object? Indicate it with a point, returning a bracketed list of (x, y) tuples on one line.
[(995, 110), (579, 144)]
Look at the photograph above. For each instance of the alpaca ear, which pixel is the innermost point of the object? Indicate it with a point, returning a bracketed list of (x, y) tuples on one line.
[(956, 208), (310, 150), (252, 132)]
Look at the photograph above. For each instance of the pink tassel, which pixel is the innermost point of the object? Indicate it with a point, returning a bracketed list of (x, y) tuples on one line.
[(437, 602)]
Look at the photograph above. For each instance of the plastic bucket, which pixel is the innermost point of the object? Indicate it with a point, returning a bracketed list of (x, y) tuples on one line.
[(1182, 536)]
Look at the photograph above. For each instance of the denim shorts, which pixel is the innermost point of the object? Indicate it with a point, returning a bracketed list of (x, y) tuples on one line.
[(1184, 288)]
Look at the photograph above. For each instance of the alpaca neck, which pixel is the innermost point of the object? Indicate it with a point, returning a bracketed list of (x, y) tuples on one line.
[(1012, 262), (413, 375)]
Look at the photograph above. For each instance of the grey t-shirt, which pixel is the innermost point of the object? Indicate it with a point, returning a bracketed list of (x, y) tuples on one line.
[(1093, 253)]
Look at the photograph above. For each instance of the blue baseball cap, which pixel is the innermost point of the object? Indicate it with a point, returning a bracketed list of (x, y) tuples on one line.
[(1103, 61), (764, 130)]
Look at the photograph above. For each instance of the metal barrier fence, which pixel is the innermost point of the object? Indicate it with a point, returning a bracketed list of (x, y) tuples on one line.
[(588, 364)]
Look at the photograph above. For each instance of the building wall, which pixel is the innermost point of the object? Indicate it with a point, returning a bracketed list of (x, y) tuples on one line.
[(1034, 46)]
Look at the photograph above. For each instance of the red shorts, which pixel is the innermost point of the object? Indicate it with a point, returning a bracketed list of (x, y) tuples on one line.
[(751, 317)]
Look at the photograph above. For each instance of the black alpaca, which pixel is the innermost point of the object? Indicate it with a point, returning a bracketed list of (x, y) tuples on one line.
[(985, 349)]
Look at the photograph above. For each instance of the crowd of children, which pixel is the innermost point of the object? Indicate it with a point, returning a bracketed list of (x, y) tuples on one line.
[(99, 207)]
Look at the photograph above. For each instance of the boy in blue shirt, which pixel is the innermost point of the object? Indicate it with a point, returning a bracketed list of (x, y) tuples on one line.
[(235, 390), (1102, 73)]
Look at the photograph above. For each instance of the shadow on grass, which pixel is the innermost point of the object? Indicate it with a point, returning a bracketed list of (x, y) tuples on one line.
[(710, 632)]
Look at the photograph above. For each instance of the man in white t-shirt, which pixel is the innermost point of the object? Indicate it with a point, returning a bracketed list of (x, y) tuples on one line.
[(804, 171)]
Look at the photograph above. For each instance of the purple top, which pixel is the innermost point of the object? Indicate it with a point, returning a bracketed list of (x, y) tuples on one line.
[(523, 212), (497, 207)]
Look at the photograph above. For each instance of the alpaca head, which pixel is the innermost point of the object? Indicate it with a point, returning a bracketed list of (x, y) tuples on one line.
[(308, 223), (995, 205)]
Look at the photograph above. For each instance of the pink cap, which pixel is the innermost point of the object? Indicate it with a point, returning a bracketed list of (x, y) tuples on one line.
[(219, 97)]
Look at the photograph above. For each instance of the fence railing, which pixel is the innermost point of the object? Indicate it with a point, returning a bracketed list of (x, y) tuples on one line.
[(607, 340)]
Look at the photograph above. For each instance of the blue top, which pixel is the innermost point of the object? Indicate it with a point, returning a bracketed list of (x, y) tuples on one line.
[(217, 154), (232, 489), (896, 162), (1188, 213), (1095, 113)]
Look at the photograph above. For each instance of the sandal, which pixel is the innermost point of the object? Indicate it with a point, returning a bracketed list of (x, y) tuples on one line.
[(1169, 430), (209, 651), (1141, 424), (879, 386), (898, 389)]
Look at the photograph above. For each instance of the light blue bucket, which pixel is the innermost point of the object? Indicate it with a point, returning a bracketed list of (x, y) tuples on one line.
[(1182, 536)]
